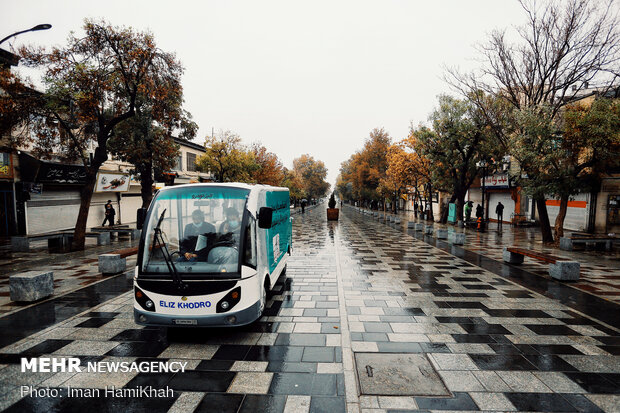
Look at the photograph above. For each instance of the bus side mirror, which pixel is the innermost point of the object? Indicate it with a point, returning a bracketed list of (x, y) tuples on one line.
[(140, 217), (265, 214)]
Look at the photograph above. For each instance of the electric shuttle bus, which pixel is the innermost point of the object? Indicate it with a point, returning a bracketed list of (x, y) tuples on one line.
[(209, 253)]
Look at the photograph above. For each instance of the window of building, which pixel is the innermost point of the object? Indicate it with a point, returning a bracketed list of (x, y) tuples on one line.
[(178, 166), (191, 162)]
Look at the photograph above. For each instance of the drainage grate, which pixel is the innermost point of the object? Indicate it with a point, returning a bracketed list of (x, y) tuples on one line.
[(398, 375)]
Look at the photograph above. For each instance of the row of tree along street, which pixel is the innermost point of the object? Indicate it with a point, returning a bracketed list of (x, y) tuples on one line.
[(526, 104), (113, 92)]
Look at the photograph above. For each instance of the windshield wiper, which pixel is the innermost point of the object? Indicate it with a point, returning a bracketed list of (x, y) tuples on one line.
[(159, 239)]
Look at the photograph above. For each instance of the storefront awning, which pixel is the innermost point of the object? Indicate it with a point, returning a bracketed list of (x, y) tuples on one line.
[(36, 170)]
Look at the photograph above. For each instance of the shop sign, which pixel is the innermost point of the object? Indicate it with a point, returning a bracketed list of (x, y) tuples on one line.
[(497, 181), (6, 169), (33, 188), (61, 174), (112, 182)]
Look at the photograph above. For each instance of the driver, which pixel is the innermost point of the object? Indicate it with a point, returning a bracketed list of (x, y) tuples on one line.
[(232, 222), (197, 227)]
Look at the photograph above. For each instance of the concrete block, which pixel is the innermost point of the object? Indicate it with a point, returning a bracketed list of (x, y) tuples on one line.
[(419, 227), (20, 244), (111, 264), (456, 238), (428, 229), (31, 285), (410, 225), (442, 233), (566, 244), (103, 238), (512, 258), (565, 270), (397, 220)]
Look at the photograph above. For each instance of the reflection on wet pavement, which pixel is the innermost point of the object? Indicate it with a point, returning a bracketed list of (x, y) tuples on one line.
[(351, 288)]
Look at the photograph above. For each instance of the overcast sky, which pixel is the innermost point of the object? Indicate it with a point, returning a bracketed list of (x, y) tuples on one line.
[(301, 77)]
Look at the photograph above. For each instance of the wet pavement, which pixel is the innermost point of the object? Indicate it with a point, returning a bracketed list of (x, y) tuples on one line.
[(358, 296), (600, 270)]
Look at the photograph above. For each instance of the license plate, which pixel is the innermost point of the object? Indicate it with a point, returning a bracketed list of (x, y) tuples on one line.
[(185, 322)]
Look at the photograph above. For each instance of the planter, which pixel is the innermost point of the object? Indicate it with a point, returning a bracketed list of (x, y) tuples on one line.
[(332, 214)]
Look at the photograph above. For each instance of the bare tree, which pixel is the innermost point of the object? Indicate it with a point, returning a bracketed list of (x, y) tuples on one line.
[(562, 49)]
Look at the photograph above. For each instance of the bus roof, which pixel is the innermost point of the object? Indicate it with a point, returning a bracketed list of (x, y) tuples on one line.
[(251, 187)]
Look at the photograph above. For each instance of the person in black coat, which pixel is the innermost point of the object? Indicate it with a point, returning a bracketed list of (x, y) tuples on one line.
[(479, 211), (197, 227), (499, 210), (109, 213)]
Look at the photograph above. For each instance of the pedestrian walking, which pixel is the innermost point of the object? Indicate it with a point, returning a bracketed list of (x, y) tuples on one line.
[(303, 206), (499, 210), (478, 211), (109, 213)]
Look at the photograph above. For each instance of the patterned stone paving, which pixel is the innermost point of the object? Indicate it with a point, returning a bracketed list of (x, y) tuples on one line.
[(71, 271), (352, 286), (600, 270)]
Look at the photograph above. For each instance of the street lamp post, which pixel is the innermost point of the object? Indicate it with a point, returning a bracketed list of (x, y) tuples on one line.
[(483, 165), (33, 29)]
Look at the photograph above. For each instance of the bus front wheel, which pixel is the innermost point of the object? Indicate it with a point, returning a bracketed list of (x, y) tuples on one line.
[(263, 303)]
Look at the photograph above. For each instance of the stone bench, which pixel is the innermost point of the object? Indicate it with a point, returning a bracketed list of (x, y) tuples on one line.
[(428, 229), (419, 227), (559, 268), (441, 233), (22, 243), (396, 220), (456, 238), (132, 232), (110, 264), (410, 224), (568, 243), (103, 238), (31, 285)]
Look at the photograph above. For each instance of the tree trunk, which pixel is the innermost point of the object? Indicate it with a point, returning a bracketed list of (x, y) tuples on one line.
[(545, 226), (79, 234), (444, 213), (146, 184), (460, 205), (430, 216), (559, 220)]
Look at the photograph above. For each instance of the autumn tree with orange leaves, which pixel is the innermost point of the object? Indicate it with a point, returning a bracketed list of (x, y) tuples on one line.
[(91, 86), (311, 173), (365, 169), (399, 175), (269, 169)]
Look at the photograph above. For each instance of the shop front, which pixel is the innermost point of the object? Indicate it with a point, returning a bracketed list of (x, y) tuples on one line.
[(8, 219), (51, 194)]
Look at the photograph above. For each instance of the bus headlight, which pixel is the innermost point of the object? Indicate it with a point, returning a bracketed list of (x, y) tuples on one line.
[(229, 301), (143, 300)]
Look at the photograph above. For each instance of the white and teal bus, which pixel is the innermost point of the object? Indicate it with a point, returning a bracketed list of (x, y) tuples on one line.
[(209, 253)]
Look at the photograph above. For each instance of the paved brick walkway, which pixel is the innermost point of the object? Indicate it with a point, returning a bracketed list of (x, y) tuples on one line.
[(600, 270), (355, 286), (71, 270)]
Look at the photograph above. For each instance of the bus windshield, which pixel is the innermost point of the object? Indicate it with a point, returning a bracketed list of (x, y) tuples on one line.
[(201, 228)]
